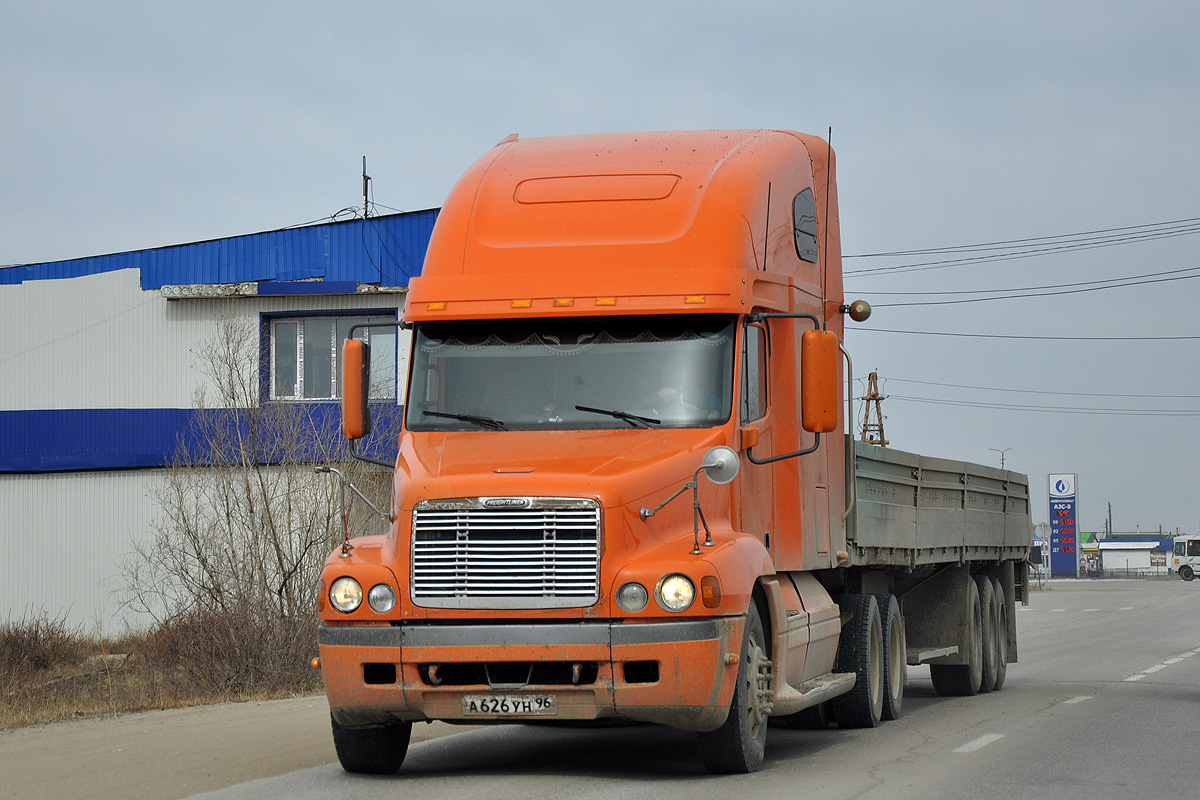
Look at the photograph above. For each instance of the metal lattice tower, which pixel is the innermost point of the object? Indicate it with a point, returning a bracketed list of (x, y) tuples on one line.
[(872, 424)]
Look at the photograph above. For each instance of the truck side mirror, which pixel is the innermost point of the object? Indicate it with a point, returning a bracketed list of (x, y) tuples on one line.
[(819, 381), (356, 382)]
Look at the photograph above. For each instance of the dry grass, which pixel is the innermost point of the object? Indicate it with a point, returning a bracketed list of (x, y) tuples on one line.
[(50, 671)]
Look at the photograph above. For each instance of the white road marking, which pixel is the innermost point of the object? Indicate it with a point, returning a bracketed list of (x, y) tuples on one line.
[(1137, 677), (1076, 700), (981, 742), (1125, 608), (1155, 668), (1087, 610), (1057, 610), (1173, 660)]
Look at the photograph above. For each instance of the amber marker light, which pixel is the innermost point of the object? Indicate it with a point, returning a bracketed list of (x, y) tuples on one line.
[(694, 299), (315, 663), (564, 302), (440, 306), (710, 591), (606, 301), (522, 303)]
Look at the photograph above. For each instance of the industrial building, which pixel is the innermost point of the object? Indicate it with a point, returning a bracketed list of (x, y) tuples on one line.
[(99, 358)]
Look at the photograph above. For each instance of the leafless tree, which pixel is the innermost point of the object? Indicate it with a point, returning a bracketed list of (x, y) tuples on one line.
[(245, 521)]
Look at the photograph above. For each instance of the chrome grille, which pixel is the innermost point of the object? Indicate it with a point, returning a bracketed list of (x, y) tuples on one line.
[(540, 552)]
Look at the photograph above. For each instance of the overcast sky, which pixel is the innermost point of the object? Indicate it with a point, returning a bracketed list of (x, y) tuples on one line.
[(136, 125)]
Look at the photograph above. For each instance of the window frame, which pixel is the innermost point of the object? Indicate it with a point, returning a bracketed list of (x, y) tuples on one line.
[(380, 318), (804, 213), (762, 368)]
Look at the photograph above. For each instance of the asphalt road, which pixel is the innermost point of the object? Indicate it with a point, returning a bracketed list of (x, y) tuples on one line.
[(1105, 703)]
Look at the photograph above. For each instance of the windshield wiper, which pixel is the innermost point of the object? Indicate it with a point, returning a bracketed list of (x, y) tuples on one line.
[(486, 422), (632, 419)]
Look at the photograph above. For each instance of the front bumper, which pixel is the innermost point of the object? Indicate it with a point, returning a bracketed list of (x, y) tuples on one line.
[(677, 673)]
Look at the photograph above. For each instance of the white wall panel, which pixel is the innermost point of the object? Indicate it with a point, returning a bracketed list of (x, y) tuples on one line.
[(100, 341), (64, 536)]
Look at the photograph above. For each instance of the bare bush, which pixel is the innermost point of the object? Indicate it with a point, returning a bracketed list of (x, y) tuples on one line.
[(39, 644), (229, 573)]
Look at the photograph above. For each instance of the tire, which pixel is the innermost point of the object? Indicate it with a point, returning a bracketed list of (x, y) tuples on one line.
[(990, 620), (861, 651), (372, 751), (737, 747), (963, 680), (1002, 633), (1186, 572), (813, 718), (895, 656)]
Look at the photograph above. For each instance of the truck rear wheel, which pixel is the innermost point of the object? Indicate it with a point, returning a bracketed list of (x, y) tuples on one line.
[(964, 680), (895, 655), (1186, 572), (1001, 633), (989, 631), (861, 651), (372, 751), (737, 747)]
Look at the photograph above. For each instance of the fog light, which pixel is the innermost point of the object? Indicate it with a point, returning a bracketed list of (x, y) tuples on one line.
[(632, 597), (346, 594), (675, 592), (382, 598)]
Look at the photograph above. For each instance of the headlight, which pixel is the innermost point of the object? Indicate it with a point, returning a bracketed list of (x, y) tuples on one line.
[(675, 592), (346, 594), (632, 597), (382, 598)]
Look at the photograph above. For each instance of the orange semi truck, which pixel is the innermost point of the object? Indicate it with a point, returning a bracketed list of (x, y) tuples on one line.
[(624, 487)]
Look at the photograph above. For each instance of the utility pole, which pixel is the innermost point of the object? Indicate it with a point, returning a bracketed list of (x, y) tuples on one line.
[(1001, 452), (872, 425), (366, 185)]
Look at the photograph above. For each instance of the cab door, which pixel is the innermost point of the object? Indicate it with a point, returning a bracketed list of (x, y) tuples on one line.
[(756, 501)]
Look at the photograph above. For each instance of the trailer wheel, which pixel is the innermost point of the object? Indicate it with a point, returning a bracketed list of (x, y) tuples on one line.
[(1001, 633), (989, 618), (895, 655), (737, 747), (813, 718), (1186, 572), (963, 680), (861, 651), (372, 751)]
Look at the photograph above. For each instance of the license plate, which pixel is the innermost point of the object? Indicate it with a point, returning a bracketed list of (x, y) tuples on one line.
[(509, 705)]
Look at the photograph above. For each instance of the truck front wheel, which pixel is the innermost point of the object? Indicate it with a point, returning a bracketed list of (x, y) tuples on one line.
[(1186, 572), (737, 747), (372, 751)]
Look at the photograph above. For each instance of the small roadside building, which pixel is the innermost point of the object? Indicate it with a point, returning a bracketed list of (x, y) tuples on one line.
[(1135, 556), (101, 369)]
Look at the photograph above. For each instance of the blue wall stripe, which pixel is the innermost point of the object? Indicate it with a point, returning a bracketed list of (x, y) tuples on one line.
[(71, 440)]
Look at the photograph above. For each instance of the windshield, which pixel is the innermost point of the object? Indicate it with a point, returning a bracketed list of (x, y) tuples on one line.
[(647, 372)]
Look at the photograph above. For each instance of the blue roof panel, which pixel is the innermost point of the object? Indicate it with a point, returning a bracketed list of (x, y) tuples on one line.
[(386, 250)]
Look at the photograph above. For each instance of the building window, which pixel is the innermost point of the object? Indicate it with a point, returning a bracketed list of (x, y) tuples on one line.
[(306, 356)]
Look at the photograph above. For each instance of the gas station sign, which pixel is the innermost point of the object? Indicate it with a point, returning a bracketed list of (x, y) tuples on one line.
[(1064, 540)]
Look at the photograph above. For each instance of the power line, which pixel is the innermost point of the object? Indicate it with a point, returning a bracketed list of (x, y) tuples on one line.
[(1131, 339), (1025, 295), (1034, 239), (1054, 393), (1027, 248), (1039, 288), (1080, 410)]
